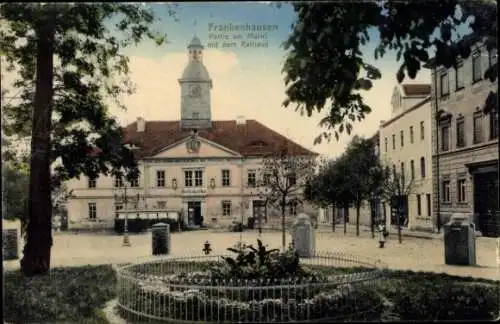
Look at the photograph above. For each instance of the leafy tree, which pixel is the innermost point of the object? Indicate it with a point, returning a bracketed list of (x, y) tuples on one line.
[(282, 179), (360, 159), (326, 187), (69, 62), (393, 187), (15, 193), (325, 66)]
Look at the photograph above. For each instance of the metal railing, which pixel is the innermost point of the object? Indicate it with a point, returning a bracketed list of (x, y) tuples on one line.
[(181, 290)]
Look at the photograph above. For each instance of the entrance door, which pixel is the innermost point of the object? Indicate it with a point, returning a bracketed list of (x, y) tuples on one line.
[(194, 208), (485, 202), (399, 206)]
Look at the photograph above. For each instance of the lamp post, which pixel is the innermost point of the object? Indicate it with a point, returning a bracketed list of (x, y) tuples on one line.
[(123, 196), (260, 218)]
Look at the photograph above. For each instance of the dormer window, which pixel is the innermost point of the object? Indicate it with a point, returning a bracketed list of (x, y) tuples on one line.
[(257, 143), (131, 146)]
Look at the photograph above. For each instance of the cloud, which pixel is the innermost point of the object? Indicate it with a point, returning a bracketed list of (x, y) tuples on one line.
[(251, 86)]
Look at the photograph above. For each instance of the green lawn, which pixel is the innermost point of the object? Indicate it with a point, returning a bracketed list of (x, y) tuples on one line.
[(67, 295), (77, 295)]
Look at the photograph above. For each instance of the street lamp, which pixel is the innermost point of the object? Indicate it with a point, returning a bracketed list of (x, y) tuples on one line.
[(123, 197), (376, 202)]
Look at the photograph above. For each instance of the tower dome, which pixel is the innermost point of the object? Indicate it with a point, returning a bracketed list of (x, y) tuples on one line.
[(195, 43), (195, 70)]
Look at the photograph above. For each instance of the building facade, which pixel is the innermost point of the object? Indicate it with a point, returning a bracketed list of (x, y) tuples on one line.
[(207, 170), (405, 146), (465, 141)]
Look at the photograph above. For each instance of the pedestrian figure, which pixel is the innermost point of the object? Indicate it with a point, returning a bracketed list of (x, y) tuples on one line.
[(382, 235)]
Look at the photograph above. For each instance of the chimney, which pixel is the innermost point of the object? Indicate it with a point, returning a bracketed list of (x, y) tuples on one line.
[(240, 120), (141, 124)]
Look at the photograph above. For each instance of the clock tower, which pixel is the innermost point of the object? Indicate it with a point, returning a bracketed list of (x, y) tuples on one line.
[(196, 86)]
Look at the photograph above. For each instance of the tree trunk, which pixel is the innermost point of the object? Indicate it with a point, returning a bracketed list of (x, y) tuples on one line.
[(36, 259), (357, 218), (372, 218), (345, 220), (399, 223), (333, 217), (283, 230)]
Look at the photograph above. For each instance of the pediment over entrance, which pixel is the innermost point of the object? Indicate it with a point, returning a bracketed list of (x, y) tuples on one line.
[(195, 146)]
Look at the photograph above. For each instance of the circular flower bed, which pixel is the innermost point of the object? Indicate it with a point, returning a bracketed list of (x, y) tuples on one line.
[(258, 285)]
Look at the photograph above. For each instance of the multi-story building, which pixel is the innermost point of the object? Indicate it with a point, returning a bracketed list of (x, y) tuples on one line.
[(405, 146), (465, 141), (209, 168)]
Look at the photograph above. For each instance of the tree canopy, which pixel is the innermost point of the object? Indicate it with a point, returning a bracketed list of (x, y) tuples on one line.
[(90, 71), (69, 64), (325, 67), (282, 179), (356, 176)]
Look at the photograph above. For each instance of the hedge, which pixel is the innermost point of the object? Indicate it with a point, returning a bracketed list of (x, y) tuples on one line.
[(137, 225)]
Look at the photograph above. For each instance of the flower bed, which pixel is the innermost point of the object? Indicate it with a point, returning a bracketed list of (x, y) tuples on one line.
[(220, 304), (258, 285)]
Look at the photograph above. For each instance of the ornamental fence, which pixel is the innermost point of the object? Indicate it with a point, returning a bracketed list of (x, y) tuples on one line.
[(181, 290)]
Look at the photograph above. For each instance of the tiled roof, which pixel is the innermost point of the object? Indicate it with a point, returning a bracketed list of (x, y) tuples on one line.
[(417, 89), (249, 139)]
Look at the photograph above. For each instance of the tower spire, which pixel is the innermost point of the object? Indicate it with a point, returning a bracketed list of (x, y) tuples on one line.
[(195, 49), (195, 89)]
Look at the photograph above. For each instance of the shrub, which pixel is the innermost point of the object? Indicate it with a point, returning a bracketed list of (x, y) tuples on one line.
[(138, 225), (431, 301), (66, 295), (260, 263)]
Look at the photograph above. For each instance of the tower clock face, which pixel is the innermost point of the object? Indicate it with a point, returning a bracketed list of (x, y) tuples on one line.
[(194, 91)]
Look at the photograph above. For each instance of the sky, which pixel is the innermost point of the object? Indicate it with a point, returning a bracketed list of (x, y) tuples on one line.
[(246, 81)]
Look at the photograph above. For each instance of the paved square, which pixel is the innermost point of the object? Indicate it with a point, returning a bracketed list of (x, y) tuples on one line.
[(413, 254)]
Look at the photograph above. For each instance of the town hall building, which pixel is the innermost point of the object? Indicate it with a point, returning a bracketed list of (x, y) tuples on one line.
[(207, 170)]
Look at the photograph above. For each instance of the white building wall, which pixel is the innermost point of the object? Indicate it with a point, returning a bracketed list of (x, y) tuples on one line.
[(420, 148), (239, 193)]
